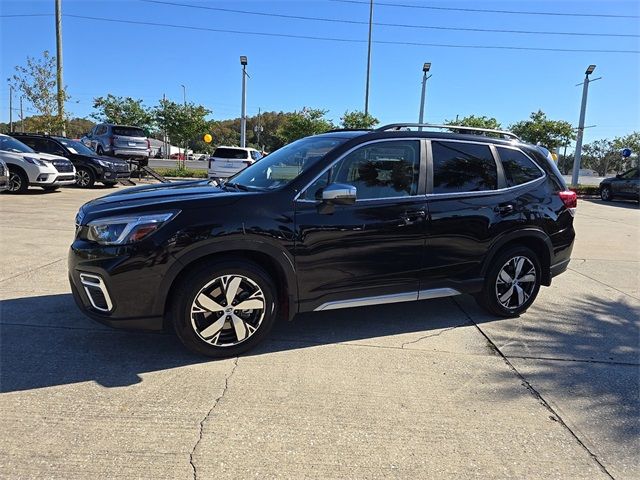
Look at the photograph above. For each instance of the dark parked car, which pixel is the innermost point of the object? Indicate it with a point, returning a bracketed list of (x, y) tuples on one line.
[(122, 141), (625, 185), (90, 167), (338, 220)]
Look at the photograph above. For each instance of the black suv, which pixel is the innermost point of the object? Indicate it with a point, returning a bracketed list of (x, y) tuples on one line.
[(338, 220), (90, 167)]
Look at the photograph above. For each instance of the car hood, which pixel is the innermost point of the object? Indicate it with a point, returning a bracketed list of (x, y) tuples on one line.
[(158, 196), (48, 156), (609, 179)]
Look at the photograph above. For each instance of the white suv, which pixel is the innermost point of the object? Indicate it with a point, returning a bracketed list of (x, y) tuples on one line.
[(227, 161), (26, 167)]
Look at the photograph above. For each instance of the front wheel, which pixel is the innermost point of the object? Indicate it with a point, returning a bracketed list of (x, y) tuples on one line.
[(18, 181), (605, 193), (512, 283), (85, 177), (224, 309)]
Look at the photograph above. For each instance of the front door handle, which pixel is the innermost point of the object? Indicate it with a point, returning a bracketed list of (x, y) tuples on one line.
[(504, 208), (412, 216)]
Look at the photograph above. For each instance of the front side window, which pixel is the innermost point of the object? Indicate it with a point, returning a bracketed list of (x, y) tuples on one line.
[(380, 170), (286, 164), (463, 167), (518, 168)]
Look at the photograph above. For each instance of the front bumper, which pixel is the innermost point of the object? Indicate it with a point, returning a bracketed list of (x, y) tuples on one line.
[(117, 287), (55, 179)]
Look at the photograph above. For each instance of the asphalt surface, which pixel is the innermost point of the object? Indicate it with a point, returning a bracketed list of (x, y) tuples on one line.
[(435, 389)]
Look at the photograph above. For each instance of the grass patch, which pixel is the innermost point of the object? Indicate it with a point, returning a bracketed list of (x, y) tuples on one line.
[(182, 172), (586, 189)]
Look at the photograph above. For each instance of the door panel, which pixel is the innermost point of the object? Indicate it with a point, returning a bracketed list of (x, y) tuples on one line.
[(373, 247)]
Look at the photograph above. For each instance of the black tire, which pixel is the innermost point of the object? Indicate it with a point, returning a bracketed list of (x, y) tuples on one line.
[(99, 150), (18, 181), (50, 189), (493, 291), (605, 193), (85, 178), (109, 184), (205, 278)]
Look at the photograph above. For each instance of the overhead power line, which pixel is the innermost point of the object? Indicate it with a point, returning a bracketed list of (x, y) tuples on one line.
[(382, 24), (347, 40), (27, 15), (483, 10)]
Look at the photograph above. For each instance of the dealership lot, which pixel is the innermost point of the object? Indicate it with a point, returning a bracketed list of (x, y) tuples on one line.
[(435, 389)]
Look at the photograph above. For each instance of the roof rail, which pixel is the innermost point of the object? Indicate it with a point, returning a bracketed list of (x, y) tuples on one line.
[(461, 128)]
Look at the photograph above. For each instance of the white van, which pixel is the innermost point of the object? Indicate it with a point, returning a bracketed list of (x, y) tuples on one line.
[(227, 161)]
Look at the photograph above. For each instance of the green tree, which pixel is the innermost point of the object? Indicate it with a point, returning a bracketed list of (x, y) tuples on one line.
[(123, 111), (37, 82), (183, 123), (306, 122), (477, 122), (358, 120), (631, 141), (601, 156), (539, 129)]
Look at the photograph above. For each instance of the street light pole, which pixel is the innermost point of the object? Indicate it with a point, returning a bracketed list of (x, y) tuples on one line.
[(425, 70), (583, 110), (243, 115), (366, 94), (184, 101), (59, 79), (10, 108)]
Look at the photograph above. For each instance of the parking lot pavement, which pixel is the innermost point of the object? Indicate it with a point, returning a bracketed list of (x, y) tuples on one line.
[(435, 389)]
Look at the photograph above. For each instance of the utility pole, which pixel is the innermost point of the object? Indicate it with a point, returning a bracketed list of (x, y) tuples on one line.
[(583, 110), (11, 108), (21, 115), (165, 139), (184, 101), (243, 114), (425, 70), (366, 94), (59, 64)]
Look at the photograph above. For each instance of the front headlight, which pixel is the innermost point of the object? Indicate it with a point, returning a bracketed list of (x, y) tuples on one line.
[(36, 161), (106, 164), (127, 228)]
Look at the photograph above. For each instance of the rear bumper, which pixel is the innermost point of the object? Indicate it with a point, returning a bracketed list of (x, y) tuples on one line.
[(559, 268), (130, 152)]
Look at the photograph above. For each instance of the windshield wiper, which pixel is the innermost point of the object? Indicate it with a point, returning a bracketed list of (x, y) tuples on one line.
[(237, 186)]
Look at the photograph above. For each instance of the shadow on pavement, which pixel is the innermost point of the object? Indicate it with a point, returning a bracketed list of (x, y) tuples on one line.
[(46, 341)]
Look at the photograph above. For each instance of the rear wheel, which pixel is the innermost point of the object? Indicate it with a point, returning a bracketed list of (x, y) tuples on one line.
[(99, 150), (18, 181), (85, 177), (512, 283), (224, 309), (605, 193)]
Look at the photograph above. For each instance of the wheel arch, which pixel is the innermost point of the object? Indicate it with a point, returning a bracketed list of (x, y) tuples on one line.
[(275, 263), (536, 240)]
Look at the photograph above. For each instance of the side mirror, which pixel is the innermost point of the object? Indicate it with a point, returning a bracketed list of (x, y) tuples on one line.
[(339, 194)]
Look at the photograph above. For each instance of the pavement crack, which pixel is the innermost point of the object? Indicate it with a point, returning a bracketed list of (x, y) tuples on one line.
[(206, 417), (437, 334), (30, 270), (534, 392)]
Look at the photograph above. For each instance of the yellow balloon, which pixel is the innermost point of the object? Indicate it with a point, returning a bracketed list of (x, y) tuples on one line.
[(207, 138)]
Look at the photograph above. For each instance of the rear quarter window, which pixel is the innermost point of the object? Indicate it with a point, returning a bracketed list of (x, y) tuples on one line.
[(518, 168), (233, 153)]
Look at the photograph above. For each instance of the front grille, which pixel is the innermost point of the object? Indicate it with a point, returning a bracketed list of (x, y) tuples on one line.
[(62, 178), (63, 166), (120, 167)]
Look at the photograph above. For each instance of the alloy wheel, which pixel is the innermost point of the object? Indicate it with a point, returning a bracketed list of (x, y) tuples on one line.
[(605, 193), (516, 282), (15, 182), (82, 178), (228, 310)]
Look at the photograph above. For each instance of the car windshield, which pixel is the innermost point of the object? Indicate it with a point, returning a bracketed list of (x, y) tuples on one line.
[(10, 144), (129, 132), (284, 165), (76, 147)]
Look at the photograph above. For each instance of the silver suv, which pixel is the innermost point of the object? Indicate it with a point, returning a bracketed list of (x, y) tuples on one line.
[(119, 141)]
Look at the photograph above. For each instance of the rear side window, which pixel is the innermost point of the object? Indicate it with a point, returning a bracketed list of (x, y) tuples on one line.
[(463, 167), (129, 132), (233, 153), (518, 168)]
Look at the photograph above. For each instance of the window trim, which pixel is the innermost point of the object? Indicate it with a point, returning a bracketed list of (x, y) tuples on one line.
[(502, 182), (421, 171)]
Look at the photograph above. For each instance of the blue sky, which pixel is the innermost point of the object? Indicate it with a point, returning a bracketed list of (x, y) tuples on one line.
[(286, 74)]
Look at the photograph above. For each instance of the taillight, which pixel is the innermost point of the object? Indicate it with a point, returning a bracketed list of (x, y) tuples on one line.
[(570, 199)]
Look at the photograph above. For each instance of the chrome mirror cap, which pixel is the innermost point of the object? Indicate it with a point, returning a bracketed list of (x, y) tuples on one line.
[(339, 193)]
